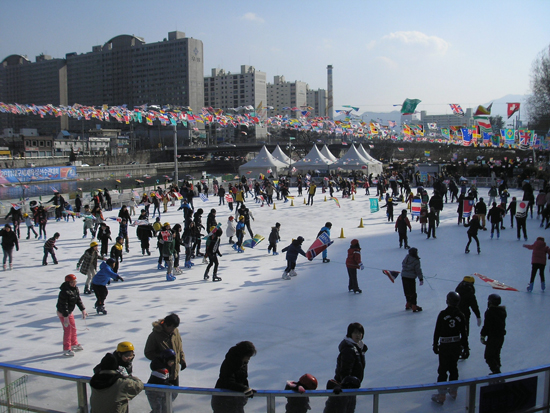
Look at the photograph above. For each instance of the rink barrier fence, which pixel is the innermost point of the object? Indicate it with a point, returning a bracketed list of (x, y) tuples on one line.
[(471, 386)]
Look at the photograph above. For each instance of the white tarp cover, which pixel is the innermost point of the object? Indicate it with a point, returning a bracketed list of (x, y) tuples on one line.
[(328, 154), (313, 160), (261, 163), (280, 155)]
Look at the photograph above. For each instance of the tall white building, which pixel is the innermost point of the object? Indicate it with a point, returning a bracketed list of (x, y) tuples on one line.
[(231, 92), (282, 94)]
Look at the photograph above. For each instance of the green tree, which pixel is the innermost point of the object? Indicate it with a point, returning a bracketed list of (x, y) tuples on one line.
[(538, 104), (497, 123)]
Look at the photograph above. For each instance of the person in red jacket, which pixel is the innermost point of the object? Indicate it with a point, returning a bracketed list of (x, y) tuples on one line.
[(353, 262), (538, 261)]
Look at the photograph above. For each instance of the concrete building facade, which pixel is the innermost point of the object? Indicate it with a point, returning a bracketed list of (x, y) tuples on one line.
[(41, 82), (445, 121), (317, 99), (282, 94), (233, 92)]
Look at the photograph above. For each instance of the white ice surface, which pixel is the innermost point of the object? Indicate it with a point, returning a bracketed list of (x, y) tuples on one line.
[(296, 325)]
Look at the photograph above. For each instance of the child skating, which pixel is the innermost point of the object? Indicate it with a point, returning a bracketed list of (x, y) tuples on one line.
[(292, 252)]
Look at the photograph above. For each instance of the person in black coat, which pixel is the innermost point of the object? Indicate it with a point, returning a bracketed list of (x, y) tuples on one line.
[(9, 240), (144, 232), (436, 202), (125, 214), (292, 252), (350, 363), (197, 219), (449, 339), (495, 217), (16, 219), (493, 332), (468, 300), (474, 227), (234, 376), (481, 211), (68, 299), (211, 220), (104, 235), (273, 239), (58, 201)]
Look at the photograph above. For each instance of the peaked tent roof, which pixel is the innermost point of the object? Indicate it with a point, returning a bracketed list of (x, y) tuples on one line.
[(261, 163), (352, 159), (366, 155), (328, 154), (280, 155), (314, 159)]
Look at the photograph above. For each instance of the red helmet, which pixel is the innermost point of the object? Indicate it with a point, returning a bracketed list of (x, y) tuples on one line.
[(308, 381), (70, 277)]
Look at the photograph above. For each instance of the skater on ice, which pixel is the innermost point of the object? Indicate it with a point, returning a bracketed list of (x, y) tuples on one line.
[(493, 332), (292, 252), (538, 261), (68, 299), (353, 263), (411, 270)]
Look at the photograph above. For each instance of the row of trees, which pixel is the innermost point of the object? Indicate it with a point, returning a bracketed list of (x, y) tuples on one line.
[(538, 103)]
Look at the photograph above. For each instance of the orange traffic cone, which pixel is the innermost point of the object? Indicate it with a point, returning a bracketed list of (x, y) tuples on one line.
[(361, 224), (342, 233)]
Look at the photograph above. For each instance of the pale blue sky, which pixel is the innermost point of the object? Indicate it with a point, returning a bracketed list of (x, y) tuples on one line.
[(466, 52)]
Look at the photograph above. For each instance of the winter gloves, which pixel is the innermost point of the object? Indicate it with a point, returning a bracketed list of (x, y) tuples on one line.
[(421, 282), (361, 266), (249, 392)]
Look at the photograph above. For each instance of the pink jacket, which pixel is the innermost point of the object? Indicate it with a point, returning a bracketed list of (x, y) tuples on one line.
[(540, 251)]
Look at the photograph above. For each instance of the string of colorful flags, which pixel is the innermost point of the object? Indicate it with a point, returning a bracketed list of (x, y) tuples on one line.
[(481, 134)]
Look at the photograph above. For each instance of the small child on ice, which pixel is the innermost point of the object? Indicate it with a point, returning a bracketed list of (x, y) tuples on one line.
[(353, 262), (300, 404), (493, 332), (30, 226), (273, 239), (230, 231), (292, 252), (159, 375)]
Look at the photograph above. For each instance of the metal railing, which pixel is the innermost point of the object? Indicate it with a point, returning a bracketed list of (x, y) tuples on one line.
[(384, 399)]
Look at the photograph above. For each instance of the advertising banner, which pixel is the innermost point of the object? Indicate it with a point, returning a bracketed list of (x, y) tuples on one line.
[(46, 173)]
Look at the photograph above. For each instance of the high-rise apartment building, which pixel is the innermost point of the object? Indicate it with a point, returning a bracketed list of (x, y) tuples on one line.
[(445, 121), (127, 70), (317, 99), (233, 92), (282, 94), (41, 82)]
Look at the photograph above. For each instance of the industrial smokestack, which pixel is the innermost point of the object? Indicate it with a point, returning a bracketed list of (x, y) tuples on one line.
[(330, 108)]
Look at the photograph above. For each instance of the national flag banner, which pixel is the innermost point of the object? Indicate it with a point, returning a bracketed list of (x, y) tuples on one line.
[(409, 106), (486, 138), (392, 275), (521, 207), (512, 108), (416, 206), (228, 197), (418, 130), (466, 136), (407, 130), (509, 136), (484, 124), (468, 205), (524, 139), (401, 149), (495, 140), (426, 153), (374, 204), (391, 124), (432, 126), (445, 133), (203, 197), (483, 110), (457, 110)]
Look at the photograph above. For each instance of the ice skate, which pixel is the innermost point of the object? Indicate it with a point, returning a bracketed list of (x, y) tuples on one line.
[(78, 347), (5, 267), (216, 278), (87, 290), (240, 249), (293, 273), (275, 253), (479, 250), (170, 277), (101, 309), (358, 291), (416, 308), (530, 287), (68, 353), (453, 394), (204, 260), (286, 276), (408, 306), (160, 267), (326, 260), (438, 398), (543, 286), (206, 277)]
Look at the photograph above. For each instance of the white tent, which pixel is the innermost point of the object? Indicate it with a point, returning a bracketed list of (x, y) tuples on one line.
[(351, 160), (367, 155), (313, 160), (261, 163), (328, 154), (280, 155), (375, 166)]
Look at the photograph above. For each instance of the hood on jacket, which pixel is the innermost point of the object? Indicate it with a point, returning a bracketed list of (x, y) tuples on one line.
[(104, 379)]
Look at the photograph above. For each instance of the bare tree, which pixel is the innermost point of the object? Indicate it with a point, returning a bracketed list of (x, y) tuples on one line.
[(538, 104), (497, 123)]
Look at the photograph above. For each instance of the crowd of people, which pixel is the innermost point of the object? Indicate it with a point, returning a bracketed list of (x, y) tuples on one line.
[(164, 347)]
